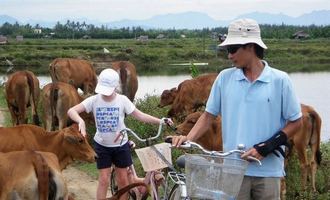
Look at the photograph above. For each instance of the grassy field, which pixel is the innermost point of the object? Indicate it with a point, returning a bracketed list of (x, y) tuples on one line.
[(157, 56)]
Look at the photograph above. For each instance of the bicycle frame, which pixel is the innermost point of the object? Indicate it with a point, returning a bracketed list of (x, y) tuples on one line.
[(150, 177)]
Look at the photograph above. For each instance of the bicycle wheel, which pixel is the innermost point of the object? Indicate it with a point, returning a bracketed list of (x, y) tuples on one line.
[(175, 193), (114, 186)]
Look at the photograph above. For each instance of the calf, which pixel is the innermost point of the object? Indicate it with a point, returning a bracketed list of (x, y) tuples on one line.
[(58, 98), (167, 97), (309, 135), (31, 175), (191, 95), (211, 140), (67, 144), (22, 90)]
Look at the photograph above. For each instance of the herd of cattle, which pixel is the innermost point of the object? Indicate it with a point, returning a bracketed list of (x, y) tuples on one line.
[(23, 158)]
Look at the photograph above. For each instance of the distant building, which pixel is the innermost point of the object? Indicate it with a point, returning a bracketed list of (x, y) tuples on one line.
[(86, 37), (143, 38), (3, 39), (19, 38), (160, 36), (300, 35), (37, 31), (183, 36)]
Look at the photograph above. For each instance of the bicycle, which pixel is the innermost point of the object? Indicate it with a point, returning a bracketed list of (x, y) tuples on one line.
[(154, 176), (211, 175)]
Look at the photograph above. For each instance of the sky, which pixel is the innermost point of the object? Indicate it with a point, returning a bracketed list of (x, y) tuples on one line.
[(114, 10)]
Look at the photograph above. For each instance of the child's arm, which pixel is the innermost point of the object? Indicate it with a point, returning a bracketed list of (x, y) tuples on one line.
[(73, 113), (141, 116)]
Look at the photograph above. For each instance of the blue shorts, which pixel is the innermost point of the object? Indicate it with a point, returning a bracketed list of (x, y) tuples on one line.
[(119, 156)]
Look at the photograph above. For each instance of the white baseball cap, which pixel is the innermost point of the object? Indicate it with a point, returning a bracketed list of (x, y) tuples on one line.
[(243, 31), (107, 82)]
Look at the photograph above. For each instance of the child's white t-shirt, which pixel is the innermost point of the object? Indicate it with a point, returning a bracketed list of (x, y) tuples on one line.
[(109, 117)]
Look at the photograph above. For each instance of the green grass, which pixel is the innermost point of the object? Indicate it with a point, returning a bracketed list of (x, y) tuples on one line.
[(155, 56)]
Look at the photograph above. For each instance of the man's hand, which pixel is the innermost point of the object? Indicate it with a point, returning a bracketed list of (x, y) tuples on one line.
[(272, 145)]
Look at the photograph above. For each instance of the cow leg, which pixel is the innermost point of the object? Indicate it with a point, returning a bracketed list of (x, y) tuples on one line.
[(34, 112), (62, 122), (313, 165), (302, 155), (13, 114), (48, 122)]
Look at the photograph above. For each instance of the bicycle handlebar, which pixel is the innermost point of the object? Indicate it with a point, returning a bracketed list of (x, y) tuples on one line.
[(163, 121), (191, 145)]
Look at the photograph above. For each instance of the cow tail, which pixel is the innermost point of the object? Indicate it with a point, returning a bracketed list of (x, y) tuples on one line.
[(34, 100), (316, 133), (52, 187), (42, 172), (52, 71), (53, 101), (123, 79)]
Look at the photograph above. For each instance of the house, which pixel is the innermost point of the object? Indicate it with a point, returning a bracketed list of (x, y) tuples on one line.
[(3, 39), (37, 31), (86, 37), (160, 36), (143, 38), (19, 38), (300, 35)]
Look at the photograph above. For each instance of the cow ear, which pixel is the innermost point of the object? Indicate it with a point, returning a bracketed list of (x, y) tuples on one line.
[(71, 139)]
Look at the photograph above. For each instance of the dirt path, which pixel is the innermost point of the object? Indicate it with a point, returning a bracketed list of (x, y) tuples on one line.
[(80, 184)]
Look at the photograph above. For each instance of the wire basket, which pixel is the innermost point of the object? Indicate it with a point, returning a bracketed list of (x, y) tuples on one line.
[(212, 177)]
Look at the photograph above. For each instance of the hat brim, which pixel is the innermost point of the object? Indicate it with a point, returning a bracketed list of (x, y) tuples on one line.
[(240, 40), (100, 89)]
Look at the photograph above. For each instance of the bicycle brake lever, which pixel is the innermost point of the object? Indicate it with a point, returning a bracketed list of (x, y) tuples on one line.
[(254, 159)]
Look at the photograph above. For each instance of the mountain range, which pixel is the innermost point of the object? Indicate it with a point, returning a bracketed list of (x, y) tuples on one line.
[(191, 20)]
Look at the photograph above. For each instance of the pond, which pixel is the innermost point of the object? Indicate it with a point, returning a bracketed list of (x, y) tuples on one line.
[(312, 89)]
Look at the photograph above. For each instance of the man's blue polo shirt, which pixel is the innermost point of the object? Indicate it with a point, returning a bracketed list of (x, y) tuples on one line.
[(252, 112)]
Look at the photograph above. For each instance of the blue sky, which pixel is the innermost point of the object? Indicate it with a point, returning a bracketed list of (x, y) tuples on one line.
[(112, 10)]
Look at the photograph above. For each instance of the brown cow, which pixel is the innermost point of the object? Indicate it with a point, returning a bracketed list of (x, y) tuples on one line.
[(167, 97), (191, 95), (31, 175), (68, 144), (211, 140), (128, 78), (80, 73), (309, 135), (22, 91), (58, 98)]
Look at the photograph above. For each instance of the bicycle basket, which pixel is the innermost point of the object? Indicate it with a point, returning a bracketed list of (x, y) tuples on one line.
[(149, 158), (212, 177)]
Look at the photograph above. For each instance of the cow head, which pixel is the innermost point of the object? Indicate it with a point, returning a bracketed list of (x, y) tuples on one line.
[(76, 145), (167, 97)]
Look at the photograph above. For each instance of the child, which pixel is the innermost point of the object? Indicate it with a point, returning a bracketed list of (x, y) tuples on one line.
[(109, 109)]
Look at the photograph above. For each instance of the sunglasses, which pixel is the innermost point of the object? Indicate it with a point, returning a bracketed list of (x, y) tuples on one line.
[(233, 48)]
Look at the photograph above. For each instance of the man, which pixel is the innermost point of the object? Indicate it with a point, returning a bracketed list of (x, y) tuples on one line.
[(258, 107)]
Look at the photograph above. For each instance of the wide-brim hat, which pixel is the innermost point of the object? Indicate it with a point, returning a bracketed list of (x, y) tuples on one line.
[(107, 82), (243, 31)]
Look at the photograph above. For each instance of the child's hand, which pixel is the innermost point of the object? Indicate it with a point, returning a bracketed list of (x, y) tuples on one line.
[(82, 127)]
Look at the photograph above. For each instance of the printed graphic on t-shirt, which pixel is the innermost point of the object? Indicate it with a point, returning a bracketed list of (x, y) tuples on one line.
[(107, 119)]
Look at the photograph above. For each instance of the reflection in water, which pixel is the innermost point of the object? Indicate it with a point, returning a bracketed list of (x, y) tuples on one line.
[(311, 88)]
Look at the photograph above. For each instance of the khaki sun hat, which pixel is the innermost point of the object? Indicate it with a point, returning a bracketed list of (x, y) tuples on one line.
[(243, 31), (108, 81)]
